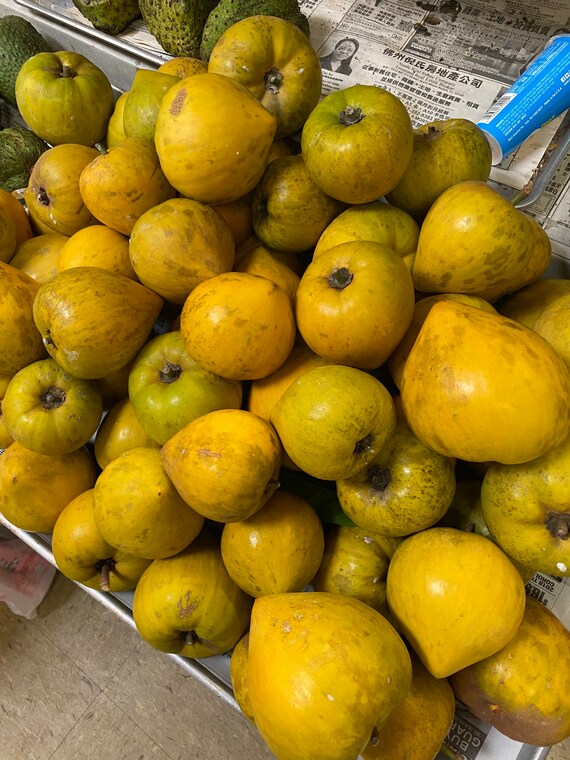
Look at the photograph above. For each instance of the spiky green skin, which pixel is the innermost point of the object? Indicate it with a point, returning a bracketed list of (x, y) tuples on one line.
[(228, 12), (19, 40), (109, 16), (20, 148), (177, 24)]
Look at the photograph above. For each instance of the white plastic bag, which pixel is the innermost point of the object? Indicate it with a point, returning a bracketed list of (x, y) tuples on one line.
[(25, 576)]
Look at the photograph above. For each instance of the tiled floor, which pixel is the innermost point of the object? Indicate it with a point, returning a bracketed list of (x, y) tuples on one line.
[(77, 683)]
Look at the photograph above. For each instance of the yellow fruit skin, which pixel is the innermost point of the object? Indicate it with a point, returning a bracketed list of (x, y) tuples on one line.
[(18, 214), (53, 197), (97, 246), (527, 510), (115, 129), (239, 326), (94, 321), (5, 437), (120, 431), (224, 464), (457, 597), (8, 241), (354, 303), (332, 420), (355, 563), (38, 256), (553, 324), (323, 671), (399, 356), (238, 674), (78, 549), (138, 510), (178, 244), (266, 263), (417, 726), (480, 387), (527, 303), (183, 66), (277, 550), (119, 186), (35, 488), (474, 241), (524, 689), (267, 391), (406, 488), (20, 342), (200, 156), (376, 221)]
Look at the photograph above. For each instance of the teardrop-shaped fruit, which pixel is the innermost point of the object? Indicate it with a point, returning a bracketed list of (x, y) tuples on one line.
[(138, 510), (93, 321), (481, 387), (323, 671), (225, 464), (457, 597)]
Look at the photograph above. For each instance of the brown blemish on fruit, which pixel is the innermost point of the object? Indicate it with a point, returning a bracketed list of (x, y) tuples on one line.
[(178, 102)]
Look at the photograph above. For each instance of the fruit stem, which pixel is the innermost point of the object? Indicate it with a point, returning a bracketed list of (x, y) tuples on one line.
[(52, 398), (340, 278), (273, 80), (67, 72), (364, 445), (558, 525), (170, 372), (350, 116), (379, 477), (104, 567)]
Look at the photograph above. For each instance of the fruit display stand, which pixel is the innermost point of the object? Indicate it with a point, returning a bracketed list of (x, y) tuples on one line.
[(469, 738)]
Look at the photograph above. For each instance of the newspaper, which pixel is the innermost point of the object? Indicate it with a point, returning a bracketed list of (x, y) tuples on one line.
[(450, 59), (442, 59)]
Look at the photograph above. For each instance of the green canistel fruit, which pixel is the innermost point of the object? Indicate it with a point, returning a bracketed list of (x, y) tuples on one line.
[(177, 24), (228, 12), (109, 16), (19, 40), (20, 148)]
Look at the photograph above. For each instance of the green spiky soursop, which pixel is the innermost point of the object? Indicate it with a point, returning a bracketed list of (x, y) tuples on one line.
[(109, 16), (229, 12), (19, 40), (177, 24), (20, 148)]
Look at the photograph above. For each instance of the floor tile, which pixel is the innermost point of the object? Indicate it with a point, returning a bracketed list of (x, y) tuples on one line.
[(179, 713), (42, 693), (93, 637), (104, 731), (560, 751)]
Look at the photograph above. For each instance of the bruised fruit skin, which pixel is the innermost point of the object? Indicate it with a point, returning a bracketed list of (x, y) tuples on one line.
[(524, 689), (189, 605)]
